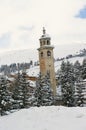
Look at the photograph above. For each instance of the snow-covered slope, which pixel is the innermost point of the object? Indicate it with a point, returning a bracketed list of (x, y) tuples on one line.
[(72, 60), (34, 71), (22, 56), (19, 56), (46, 118)]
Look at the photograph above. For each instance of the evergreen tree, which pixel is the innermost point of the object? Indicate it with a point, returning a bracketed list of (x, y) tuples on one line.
[(43, 94), (5, 97), (67, 83), (21, 92), (77, 71), (80, 93), (17, 92), (84, 69), (24, 83)]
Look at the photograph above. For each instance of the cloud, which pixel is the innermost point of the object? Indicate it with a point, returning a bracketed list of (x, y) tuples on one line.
[(26, 28), (5, 40), (82, 13), (25, 19)]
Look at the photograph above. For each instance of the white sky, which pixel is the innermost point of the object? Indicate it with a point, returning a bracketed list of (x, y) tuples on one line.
[(21, 22)]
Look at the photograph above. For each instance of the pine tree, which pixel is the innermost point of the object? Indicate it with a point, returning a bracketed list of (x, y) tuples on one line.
[(84, 69), (47, 92), (24, 83), (5, 97), (67, 83), (21, 92), (43, 94), (80, 93), (17, 93), (77, 71)]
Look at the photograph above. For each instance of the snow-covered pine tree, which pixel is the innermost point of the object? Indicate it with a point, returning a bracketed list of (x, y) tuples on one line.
[(5, 97), (66, 80), (80, 93), (77, 71), (17, 92), (47, 92), (38, 92), (24, 83), (84, 69), (21, 92), (43, 93)]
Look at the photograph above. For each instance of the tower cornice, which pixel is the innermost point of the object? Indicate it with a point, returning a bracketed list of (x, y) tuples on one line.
[(46, 47)]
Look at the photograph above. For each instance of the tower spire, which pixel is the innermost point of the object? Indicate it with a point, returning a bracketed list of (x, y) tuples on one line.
[(44, 31)]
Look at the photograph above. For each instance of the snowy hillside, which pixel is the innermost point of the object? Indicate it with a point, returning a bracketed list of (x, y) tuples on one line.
[(22, 56), (34, 71), (46, 118), (19, 56)]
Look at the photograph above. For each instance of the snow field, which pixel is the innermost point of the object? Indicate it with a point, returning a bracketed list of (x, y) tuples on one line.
[(46, 118)]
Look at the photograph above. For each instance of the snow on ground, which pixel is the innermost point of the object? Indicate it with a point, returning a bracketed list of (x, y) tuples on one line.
[(46, 118), (34, 71), (72, 60)]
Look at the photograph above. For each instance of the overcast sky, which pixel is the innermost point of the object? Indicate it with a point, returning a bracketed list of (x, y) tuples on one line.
[(21, 22)]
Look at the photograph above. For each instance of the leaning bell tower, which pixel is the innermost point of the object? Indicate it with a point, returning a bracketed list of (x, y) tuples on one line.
[(46, 58)]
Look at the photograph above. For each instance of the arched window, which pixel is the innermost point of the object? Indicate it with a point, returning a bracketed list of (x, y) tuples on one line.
[(41, 54), (48, 42), (48, 53)]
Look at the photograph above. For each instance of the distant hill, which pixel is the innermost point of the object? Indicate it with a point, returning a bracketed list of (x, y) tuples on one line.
[(66, 52), (18, 56)]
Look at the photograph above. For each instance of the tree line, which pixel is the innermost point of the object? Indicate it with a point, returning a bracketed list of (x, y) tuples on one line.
[(7, 69), (72, 81), (23, 95)]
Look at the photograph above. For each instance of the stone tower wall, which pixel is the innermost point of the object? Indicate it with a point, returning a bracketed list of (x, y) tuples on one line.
[(46, 61)]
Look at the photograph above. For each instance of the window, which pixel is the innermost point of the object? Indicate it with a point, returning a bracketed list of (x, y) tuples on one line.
[(48, 53), (41, 54), (47, 42)]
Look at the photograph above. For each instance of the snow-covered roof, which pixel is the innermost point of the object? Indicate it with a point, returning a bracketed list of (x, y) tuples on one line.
[(45, 36)]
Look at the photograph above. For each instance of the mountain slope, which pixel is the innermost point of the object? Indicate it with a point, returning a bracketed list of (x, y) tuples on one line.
[(19, 56), (22, 56)]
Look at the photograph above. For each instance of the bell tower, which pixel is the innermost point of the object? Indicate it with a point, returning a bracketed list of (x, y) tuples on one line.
[(46, 58)]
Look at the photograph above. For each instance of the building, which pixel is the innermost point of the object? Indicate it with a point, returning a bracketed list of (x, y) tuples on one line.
[(46, 58)]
